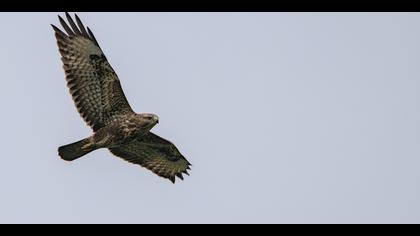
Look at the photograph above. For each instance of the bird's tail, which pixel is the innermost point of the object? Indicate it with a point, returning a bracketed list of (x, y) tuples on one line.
[(75, 150)]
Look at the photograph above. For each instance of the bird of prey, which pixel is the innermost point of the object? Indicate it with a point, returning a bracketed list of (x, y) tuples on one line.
[(100, 100)]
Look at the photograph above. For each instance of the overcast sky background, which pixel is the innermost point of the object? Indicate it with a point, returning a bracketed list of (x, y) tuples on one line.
[(286, 118)]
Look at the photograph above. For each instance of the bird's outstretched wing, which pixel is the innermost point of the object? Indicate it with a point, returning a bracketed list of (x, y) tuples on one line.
[(93, 84), (155, 154)]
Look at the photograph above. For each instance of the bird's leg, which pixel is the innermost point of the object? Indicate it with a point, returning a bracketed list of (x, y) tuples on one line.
[(103, 142), (101, 139), (89, 144), (97, 140)]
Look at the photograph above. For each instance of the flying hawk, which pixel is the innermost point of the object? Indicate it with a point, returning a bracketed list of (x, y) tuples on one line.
[(100, 100)]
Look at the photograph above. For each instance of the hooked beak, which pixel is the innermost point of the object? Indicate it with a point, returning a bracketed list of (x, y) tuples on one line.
[(156, 119)]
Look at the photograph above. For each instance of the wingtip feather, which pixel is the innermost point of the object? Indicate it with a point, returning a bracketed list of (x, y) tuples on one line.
[(65, 26), (179, 175)]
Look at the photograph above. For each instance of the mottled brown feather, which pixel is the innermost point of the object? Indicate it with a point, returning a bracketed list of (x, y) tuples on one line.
[(156, 154), (93, 84)]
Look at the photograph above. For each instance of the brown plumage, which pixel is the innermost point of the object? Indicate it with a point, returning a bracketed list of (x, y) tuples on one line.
[(100, 100)]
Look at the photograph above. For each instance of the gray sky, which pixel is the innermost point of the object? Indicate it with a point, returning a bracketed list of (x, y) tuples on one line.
[(286, 118)]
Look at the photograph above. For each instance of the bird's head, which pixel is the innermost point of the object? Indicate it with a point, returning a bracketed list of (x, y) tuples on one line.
[(149, 120)]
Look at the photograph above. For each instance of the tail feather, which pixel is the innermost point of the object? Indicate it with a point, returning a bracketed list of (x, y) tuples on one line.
[(75, 150)]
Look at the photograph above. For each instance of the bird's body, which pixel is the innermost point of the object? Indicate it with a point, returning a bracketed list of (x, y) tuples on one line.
[(123, 130), (98, 96)]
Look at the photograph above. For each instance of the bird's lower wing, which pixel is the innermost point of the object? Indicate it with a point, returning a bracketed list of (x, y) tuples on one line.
[(155, 154)]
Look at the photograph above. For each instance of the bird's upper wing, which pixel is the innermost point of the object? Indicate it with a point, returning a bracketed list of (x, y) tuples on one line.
[(155, 154), (93, 84)]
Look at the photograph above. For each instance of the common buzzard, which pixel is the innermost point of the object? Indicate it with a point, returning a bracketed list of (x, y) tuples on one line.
[(100, 100)]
